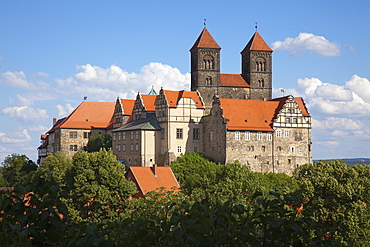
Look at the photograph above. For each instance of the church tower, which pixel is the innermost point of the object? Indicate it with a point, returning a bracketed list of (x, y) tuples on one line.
[(205, 66), (257, 67)]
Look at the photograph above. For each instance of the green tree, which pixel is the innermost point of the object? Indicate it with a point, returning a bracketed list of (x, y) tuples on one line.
[(338, 195), (59, 165), (98, 141), (16, 166), (33, 213), (97, 186)]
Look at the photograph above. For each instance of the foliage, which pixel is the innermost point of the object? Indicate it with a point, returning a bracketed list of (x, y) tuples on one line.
[(97, 186), (59, 165), (98, 141), (33, 214), (14, 167), (338, 195)]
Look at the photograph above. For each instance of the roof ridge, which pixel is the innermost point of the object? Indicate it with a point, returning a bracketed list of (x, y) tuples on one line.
[(256, 43)]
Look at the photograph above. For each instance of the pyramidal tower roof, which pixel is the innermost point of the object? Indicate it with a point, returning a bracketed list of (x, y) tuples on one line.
[(256, 43), (205, 40)]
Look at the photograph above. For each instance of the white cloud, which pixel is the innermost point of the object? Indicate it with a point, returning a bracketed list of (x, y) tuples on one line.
[(16, 137), (39, 128), (15, 79), (64, 110), (21, 100), (25, 113), (106, 84), (308, 41)]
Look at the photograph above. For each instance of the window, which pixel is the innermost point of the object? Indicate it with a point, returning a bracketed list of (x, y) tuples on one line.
[(119, 136), (123, 147), (132, 147), (263, 148), (137, 147), (292, 149), (300, 150), (237, 135), (162, 150), (132, 135), (209, 81), (289, 161), (259, 135), (179, 149), (269, 136), (247, 135), (162, 133), (294, 120), (73, 134), (250, 148), (114, 136), (196, 149), (279, 149), (278, 133), (73, 147), (119, 148), (196, 134), (211, 136), (287, 120), (137, 135), (124, 136), (286, 133), (86, 135), (178, 133)]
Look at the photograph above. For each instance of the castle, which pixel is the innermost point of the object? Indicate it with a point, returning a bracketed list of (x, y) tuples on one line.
[(227, 117)]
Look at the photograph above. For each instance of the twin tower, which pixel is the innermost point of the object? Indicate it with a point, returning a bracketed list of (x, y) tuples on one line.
[(255, 81)]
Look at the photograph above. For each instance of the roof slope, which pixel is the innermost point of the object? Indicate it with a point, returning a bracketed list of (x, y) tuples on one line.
[(149, 123), (300, 103), (233, 80), (149, 101), (173, 97), (127, 105), (256, 43), (148, 181), (89, 115), (205, 40), (242, 114)]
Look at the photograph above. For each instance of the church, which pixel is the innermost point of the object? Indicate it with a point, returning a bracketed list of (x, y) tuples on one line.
[(227, 117)]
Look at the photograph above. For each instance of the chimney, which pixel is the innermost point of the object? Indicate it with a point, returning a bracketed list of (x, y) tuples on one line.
[(154, 170), (246, 97), (54, 121), (264, 99)]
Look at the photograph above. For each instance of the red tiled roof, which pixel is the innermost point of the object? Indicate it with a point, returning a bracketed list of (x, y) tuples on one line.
[(147, 181), (88, 115), (256, 43), (149, 101), (300, 103), (242, 114), (127, 105), (233, 80), (173, 97), (46, 141), (205, 40)]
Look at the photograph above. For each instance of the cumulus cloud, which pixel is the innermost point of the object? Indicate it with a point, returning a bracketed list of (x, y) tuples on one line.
[(39, 128), (25, 113), (15, 79), (308, 42), (106, 84), (16, 137), (64, 110)]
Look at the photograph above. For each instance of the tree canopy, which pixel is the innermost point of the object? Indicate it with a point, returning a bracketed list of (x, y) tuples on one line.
[(14, 167), (98, 141)]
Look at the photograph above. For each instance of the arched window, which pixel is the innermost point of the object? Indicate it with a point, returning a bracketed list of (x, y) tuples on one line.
[(260, 64), (208, 62), (209, 81), (261, 83)]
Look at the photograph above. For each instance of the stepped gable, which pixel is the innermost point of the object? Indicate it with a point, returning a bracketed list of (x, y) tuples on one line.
[(241, 114), (233, 80), (205, 40), (89, 115), (173, 97), (256, 43), (149, 101), (300, 103)]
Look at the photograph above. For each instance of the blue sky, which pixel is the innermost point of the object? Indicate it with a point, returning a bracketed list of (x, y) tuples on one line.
[(53, 53)]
